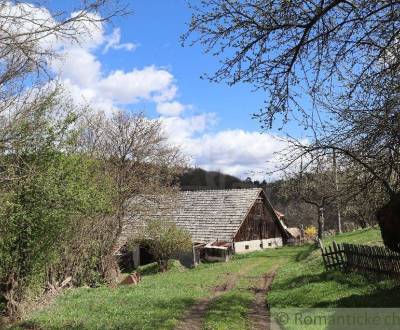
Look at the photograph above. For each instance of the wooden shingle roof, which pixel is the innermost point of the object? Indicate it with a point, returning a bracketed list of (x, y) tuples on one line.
[(214, 214), (207, 215)]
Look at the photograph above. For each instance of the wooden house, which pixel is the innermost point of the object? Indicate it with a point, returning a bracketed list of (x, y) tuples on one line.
[(221, 222)]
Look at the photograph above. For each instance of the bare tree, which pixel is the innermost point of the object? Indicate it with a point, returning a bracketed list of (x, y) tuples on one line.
[(314, 185), (138, 158), (288, 48), (31, 36), (336, 63)]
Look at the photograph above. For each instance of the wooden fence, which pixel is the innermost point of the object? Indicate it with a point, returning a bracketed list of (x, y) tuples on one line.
[(362, 258)]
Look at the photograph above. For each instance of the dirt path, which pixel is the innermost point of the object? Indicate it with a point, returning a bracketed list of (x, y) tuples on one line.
[(259, 315), (193, 320)]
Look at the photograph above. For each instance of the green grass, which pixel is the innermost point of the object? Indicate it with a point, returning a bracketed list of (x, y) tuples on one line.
[(304, 283), (160, 300), (369, 236), (157, 303), (229, 312)]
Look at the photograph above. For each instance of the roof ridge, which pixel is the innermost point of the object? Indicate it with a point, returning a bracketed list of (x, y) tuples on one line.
[(212, 190)]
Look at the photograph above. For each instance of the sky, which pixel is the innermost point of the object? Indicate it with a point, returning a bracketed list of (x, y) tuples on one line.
[(138, 64)]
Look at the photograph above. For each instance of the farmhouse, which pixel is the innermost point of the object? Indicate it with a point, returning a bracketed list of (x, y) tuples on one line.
[(221, 222)]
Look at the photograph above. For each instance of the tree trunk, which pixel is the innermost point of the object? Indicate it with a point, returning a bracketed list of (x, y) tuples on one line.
[(321, 222), (339, 218), (163, 265), (389, 222)]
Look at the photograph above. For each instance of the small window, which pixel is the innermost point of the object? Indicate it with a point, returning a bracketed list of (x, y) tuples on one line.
[(261, 245), (270, 244), (246, 247)]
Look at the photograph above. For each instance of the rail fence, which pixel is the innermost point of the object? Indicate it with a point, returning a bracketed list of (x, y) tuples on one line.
[(362, 258)]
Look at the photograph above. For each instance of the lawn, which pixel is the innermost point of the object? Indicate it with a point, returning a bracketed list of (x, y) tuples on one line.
[(157, 303), (304, 283), (162, 299)]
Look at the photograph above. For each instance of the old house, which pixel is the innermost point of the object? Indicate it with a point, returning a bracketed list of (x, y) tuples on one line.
[(222, 222)]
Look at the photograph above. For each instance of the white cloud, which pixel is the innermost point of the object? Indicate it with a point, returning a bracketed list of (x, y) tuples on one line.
[(150, 84), (236, 152), (181, 130), (79, 66), (168, 109), (114, 42)]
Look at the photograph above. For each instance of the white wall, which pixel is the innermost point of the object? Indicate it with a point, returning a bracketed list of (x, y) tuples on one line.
[(255, 245)]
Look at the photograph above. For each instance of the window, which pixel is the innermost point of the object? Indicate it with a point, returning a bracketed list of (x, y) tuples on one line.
[(246, 247), (269, 244)]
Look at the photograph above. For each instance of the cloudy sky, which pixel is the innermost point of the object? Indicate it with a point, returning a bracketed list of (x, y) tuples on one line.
[(138, 64)]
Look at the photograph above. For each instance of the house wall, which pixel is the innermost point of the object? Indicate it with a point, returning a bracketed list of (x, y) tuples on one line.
[(255, 245), (258, 225)]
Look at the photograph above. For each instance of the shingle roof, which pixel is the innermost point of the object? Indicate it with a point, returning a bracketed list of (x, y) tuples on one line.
[(207, 214), (214, 214)]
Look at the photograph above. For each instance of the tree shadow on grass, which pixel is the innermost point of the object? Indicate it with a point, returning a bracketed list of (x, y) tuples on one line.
[(350, 279), (359, 318), (304, 253), (380, 298)]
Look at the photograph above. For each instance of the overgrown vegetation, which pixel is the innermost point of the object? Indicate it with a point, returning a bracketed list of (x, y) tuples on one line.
[(67, 173), (165, 241)]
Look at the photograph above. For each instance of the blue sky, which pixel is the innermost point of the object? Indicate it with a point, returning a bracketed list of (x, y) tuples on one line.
[(156, 27), (138, 63)]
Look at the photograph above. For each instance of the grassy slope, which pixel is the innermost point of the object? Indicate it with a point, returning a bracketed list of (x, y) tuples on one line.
[(303, 282), (161, 299), (157, 303)]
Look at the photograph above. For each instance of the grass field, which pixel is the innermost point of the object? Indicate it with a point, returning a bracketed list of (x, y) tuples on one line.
[(162, 299), (304, 283)]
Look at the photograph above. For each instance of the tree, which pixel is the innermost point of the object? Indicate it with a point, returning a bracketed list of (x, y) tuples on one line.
[(164, 240), (288, 48), (47, 195), (314, 186), (32, 36), (138, 159), (335, 63)]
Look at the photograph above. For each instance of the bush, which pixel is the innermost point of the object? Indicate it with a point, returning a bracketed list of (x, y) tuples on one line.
[(310, 232), (165, 241)]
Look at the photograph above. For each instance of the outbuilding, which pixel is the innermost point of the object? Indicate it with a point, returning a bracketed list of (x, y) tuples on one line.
[(222, 222)]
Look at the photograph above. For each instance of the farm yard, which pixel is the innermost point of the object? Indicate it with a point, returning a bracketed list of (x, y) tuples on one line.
[(206, 165), (165, 300)]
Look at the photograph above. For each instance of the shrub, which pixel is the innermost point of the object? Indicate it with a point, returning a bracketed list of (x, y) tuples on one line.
[(310, 232), (165, 241)]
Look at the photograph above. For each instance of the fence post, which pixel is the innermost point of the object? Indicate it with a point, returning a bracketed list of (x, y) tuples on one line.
[(320, 244)]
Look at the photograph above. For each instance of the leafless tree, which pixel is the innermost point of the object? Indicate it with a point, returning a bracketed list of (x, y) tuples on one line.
[(288, 48), (31, 37), (331, 65), (314, 185), (138, 158)]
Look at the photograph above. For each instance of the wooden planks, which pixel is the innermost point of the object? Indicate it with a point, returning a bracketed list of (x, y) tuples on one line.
[(333, 256), (361, 258)]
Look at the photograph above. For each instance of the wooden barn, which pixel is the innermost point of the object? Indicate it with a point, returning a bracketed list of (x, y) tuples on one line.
[(223, 222)]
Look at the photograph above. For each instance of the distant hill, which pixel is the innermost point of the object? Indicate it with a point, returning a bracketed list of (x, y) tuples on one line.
[(199, 179)]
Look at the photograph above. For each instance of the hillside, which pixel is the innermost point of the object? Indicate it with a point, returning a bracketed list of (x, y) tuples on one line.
[(199, 179)]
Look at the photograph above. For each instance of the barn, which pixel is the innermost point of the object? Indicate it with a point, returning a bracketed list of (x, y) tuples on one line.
[(221, 222)]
